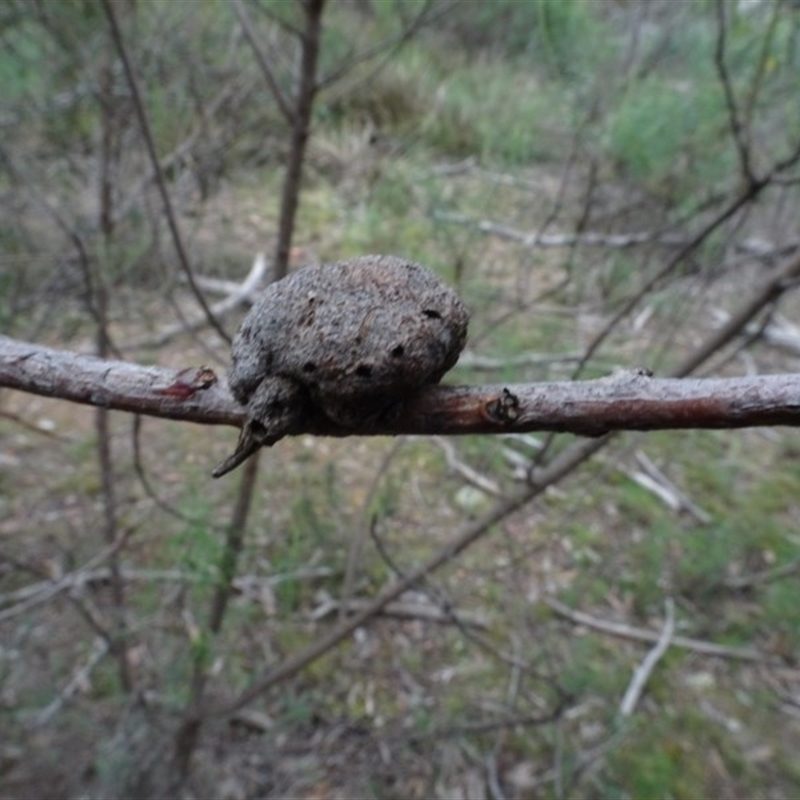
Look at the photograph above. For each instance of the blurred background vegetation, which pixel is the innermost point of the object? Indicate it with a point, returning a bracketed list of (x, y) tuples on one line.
[(605, 182)]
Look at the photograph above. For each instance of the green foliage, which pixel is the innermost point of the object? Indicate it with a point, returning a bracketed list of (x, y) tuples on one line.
[(552, 34), (197, 548), (488, 110), (308, 530), (782, 613), (666, 135)]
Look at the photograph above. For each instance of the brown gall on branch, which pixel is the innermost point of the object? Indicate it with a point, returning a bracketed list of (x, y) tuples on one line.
[(630, 401), (347, 341)]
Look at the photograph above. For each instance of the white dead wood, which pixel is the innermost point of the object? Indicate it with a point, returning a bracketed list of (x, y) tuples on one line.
[(643, 635), (46, 590), (778, 333), (34, 594), (405, 610), (470, 475), (587, 239), (654, 480), (79, 682), (642, 673), (237, 294)]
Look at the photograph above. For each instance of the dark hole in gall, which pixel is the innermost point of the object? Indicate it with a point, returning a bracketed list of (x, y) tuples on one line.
[(364, 371), (398, 352), (431, 313), (257, 428), (309, 366), (276, 407)]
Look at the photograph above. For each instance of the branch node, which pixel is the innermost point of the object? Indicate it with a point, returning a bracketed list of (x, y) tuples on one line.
[(503, 409)]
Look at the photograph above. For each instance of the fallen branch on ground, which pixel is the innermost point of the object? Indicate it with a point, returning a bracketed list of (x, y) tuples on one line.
[(644, 635), (642, 673)]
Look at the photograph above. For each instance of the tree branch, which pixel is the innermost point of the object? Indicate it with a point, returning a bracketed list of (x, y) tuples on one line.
[(630, 400)]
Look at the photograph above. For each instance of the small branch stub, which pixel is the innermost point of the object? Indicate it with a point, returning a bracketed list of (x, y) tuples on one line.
[(503, 410)]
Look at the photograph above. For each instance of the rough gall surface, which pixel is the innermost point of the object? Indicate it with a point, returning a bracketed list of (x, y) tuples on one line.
[(348, 340)]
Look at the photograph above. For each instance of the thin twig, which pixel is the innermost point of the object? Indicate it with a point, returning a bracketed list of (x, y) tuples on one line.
[(75, 684), (403, 610), (388, 47), (561, 465), (51, 589), (470, 475), (747, 196), (144, 124), (301, 130), (285, 107), (628, 400), (76, 580), (740, 136), (238, 294), (578, 239), (645, 669), (366, 516), (643, 635)]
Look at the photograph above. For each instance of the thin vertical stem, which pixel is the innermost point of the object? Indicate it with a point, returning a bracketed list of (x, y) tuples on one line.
[(97, 290), (304, 102), (189, 732)]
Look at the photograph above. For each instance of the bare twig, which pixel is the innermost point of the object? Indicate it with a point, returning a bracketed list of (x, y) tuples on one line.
[(50, 589), (654, 480), (387, 47), (762, 63), (42, 591), (403, 610), (627, 401), (237, 295), (643, 635), (188, 734), (776, 283), (470, 475), (43, 427), (644, 670), (361, 534), (301, 130), (738, 131), (561, 465), (181, 150), (189, 394), (76, 683), (746, 197), (580, 239), (183, 260), (285, 107)]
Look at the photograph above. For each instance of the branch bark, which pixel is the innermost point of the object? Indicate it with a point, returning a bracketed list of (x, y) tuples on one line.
[(631, 400)]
